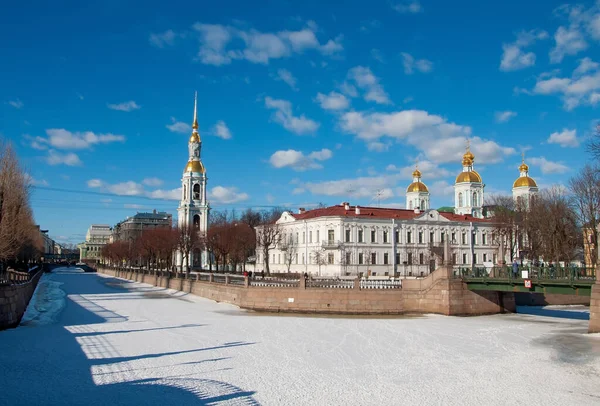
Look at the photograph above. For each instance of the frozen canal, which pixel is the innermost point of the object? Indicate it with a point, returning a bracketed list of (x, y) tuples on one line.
[(95, 340)]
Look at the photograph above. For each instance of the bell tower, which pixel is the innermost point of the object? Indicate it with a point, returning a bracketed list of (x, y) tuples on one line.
[(193, 208)]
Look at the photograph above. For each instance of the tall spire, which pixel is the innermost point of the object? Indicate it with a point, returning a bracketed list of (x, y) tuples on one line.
[(195, 125)]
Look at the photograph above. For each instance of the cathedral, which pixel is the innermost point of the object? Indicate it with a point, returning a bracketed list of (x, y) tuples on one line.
[(469, 189), (194, 208)]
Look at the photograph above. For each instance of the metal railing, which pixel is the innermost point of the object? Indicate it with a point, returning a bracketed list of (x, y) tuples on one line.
[(330, 283), (331, 244), (534, 273), (381, 284)]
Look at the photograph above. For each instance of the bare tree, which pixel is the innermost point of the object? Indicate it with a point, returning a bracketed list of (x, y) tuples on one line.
[(290, 249), (319, 258), (267, 237), (593, 146), (507, 217), (586, 201), (189, 239)]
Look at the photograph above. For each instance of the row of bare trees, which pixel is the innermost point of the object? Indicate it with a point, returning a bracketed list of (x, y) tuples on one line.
[(230, 243), (20, 239)]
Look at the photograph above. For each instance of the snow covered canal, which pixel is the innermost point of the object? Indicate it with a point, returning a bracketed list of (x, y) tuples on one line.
[(90, 339)]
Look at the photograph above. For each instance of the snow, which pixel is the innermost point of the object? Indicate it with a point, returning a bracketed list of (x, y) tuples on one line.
[(117, 342)]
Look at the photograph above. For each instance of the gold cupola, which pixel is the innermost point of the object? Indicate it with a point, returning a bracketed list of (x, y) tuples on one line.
[(468, 174), (195, 137), (417, 185), (524, 180)]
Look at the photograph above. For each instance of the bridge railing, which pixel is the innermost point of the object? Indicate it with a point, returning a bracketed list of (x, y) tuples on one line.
[(534, 273)]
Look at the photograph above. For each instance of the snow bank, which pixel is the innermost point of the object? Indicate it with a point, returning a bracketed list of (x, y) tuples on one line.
[(47, 302)]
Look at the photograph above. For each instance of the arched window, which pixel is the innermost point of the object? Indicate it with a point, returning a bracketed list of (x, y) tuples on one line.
[(410, 206), (196, 191), (197, 221), (460, 200), (422, 204), (475, 200), (184, 192)]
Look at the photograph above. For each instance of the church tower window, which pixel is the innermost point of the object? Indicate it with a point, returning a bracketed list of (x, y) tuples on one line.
[(196, 191), (197, 221), (460, 200), (475, 200)]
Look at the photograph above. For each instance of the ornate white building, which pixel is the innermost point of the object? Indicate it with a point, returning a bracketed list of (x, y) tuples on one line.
[(524, 187), (194, 208), (351, 240)]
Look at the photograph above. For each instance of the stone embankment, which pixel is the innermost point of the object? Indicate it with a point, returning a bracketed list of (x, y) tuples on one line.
[(15, 296), (437, 293)]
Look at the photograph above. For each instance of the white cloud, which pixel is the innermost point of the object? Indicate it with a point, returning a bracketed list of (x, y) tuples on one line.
[(565, 138), (574, 91), (298, 161), (94, 183), (125, 106), (179, 126), (57, 158), (569, 41), (440, 141), (133, 206), (429, 170), (572, 38), (283, 115), (153, 182), (30, 180), (222, 131), (513, 55), (504, 116), (408, 6), (333, 101), (220, 45), (173, 194), (129, 188), (63, 139), (361, 187), (377, 55), (287, 77), (369, 83), (585, 65), (17, 104), (221, 194), (411, 64), (163, 39), (548, 167), (348, 89)]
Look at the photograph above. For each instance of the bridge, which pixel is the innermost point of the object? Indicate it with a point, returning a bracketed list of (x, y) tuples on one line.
[(566, 281)]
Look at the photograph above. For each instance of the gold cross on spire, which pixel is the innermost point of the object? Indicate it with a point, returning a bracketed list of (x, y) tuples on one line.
[(468, 144), (522, 156), (195, 124)]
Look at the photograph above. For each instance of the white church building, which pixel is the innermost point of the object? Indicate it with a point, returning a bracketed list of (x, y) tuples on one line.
[(352, 240), (193, 208)]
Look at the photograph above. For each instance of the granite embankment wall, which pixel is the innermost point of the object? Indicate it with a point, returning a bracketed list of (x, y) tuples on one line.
[(437, 293), (14, 300)]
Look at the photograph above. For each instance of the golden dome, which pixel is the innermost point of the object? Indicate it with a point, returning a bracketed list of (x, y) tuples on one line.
[(417, 173), (469, 155), (524, 181), (523, 167), (194, 166), (417, 187), (195, 138), (470, 177)]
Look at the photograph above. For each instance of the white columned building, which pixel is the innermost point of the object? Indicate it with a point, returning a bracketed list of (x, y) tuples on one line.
[(468, 189), (194, 208), (524, 187), (417, 194)]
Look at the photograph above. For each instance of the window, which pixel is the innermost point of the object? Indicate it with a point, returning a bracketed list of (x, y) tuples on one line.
[(197, 221), (484, 257), (408, 237), (360, 258), (422, 204), (330, 236), (373, 235), (310, 236), (409, 258), (431, 237), (273, 258), (385, 258), (360, 235), (460, 200), (279, 258), (297, 239), (303, 237), (474, 258), (196, 191), (397, 258), (442, 236), (475, 200), (474, 238), (453, 259), (484, 239), (373, 258), (495, 258), (348, 258), (421, 258), (464, 238), (184, 192), (396, 236), (420, 237), (410, 206), (330, 258), (347, 235), (303, 259), (318, 236), (385, 236), (296, 259), (464, 259), (453, 238)]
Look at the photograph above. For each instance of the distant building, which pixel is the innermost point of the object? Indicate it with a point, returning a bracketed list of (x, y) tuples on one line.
[(49, 244), (97, 236), (133, 227)]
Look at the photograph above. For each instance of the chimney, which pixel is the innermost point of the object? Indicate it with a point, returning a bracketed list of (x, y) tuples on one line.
[(346, 206), (357, 210), (301, 210)]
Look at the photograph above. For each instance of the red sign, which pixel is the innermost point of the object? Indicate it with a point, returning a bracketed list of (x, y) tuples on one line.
[(528, 283)]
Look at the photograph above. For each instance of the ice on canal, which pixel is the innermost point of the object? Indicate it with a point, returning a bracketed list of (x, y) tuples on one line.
[(96, 340)]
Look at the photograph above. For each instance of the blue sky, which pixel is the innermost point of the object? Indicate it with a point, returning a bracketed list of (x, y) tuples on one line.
[(298, 102)]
